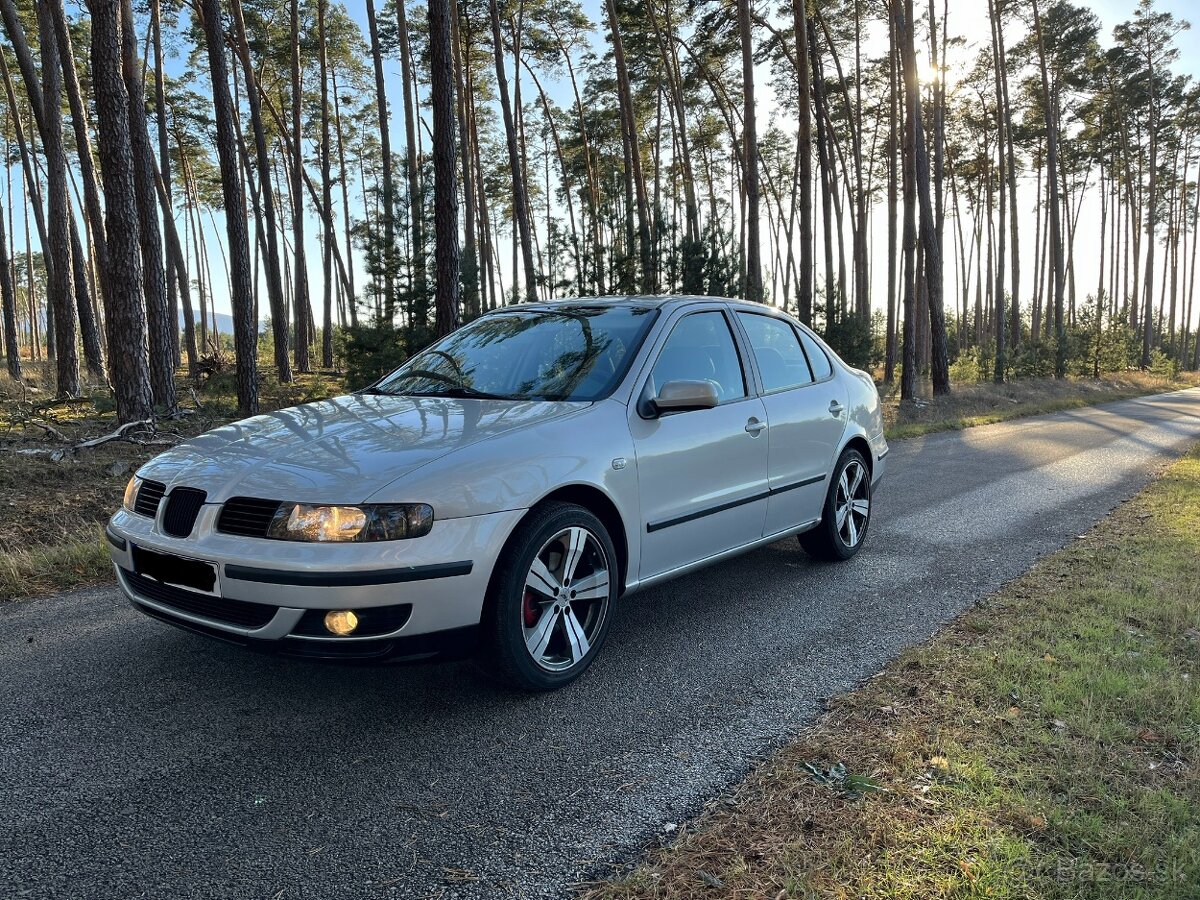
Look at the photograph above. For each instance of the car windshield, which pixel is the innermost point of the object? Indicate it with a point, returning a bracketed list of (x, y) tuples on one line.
[(576, 353)]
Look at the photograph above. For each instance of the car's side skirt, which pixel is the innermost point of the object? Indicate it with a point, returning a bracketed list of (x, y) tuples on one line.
[(718, 557)]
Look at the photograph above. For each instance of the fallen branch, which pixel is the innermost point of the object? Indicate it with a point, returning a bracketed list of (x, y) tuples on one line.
[(50, 429), (119, 434)]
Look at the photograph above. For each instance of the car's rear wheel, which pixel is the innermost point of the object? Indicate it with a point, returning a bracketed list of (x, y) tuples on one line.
[(548, 611), (847, 511)]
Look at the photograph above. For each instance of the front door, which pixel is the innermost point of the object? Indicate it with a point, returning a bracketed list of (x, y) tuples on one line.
[(702, 474)]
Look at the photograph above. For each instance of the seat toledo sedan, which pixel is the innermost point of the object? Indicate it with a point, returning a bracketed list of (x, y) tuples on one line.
[(505, 487)]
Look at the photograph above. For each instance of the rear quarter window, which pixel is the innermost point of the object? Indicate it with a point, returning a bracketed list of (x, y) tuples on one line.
[(822, 368)]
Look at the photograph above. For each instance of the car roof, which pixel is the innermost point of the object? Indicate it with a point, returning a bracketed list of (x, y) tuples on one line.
[(638, 301)]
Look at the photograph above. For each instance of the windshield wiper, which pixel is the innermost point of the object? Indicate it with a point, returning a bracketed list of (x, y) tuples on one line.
[(459, 391)]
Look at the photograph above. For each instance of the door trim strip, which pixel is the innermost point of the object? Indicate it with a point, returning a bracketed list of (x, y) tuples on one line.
[(652, 527)]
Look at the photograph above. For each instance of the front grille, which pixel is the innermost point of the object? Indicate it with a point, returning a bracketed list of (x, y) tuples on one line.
[(148, 497), (371, 622), (183, 505), (219, 609), (247, 516)]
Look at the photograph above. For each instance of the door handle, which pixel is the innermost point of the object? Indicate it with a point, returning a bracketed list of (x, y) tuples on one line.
[(754, 426), (835, 408)]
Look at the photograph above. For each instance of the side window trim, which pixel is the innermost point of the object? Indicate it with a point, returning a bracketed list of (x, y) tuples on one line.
[(800, 334)]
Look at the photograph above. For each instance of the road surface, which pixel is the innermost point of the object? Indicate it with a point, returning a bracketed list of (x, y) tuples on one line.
[(141, 761)]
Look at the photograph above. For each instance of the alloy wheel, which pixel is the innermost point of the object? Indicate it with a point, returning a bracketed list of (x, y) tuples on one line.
[(852, 503), (566, 599)]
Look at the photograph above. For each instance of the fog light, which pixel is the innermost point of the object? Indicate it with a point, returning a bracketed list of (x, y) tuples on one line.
[(341, 622)]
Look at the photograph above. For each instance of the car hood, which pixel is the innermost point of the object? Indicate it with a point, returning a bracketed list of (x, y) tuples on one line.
[(340, 450)]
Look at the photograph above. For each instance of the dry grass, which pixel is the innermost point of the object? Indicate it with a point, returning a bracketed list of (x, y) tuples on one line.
[(985, 403), (1046, 745), (52, 508)]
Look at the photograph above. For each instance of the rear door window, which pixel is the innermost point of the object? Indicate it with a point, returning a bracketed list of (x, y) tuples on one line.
[(781, 362)]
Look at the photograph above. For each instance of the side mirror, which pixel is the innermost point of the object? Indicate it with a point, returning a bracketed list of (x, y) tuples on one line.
[(681, 396)]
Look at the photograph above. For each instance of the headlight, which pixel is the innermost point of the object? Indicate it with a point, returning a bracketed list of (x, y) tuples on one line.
[(340, 524), (131, 492)]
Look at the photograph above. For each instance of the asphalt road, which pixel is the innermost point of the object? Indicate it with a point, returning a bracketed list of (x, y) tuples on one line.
[(141, 761)]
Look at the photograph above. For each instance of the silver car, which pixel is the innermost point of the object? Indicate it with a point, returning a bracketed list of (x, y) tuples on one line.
[(501, 490)]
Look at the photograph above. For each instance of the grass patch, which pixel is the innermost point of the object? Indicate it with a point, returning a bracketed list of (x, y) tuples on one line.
[(52, 509), (43, 569), (1047, 744), (984, 403)]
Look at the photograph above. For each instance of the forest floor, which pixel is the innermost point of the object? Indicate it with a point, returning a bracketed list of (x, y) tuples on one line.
[(1044, 745), (54, 502), (54, 499)]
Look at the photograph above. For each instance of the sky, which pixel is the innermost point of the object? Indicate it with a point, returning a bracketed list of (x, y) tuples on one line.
[(967, 18)]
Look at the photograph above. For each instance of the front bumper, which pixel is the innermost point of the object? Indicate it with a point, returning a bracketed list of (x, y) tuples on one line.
[(419, 597)]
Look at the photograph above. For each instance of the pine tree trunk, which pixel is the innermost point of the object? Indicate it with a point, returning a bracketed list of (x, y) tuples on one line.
[(126, 319), (87, 171), (1001, 125), (448, 288), (158, 318), (889, 369), (823, 166), (470, 261), (416, 211), (326, 196), (160, 112), (754, 286), (1050, 104), (274, 275), (629, 122), (901, 31), (520, 201), (12, 347), (58, 213), (300, 297), (245, 330), (388, 223), (89, 334)]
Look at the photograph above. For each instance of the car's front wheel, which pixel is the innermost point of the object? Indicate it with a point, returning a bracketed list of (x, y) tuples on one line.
[(847, 511), (548, 612)]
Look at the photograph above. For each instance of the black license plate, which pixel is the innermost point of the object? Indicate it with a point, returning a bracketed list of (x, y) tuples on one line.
[(176, 570)]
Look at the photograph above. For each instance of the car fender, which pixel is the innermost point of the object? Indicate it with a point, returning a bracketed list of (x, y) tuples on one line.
[(864, 416), (516, 470)]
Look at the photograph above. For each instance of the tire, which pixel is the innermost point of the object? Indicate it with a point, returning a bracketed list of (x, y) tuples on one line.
[(837, 539), (540, 629)]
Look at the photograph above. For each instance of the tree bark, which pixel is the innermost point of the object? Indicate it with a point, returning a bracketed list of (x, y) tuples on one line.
[(520, 201), (12, 347), (388, 223), (629, 122), (416, 211), (754, 286), (274, 274), (58, 211), (300, 298), (326, 194), (245, 330), (126, 319), (158, 320), (448, 288)]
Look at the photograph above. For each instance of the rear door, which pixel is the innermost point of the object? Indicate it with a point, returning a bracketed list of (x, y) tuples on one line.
[(805, 407), (702, 474)]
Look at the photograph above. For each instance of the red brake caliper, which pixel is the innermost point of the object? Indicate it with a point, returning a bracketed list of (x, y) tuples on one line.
[(530, 610)]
